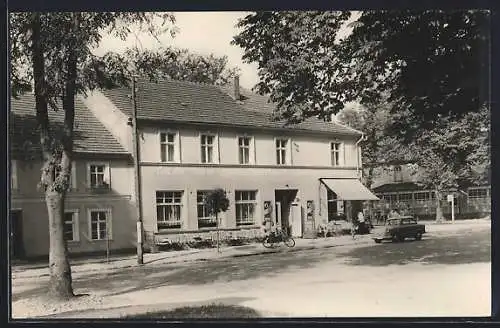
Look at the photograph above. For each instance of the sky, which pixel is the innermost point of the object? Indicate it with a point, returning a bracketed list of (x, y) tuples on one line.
[(203, 33), (200, 32)]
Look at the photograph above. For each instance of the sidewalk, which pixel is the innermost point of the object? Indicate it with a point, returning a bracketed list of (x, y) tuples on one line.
[(82, 266)]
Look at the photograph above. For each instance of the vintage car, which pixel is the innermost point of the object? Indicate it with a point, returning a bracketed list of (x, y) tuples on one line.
[(397, 229)]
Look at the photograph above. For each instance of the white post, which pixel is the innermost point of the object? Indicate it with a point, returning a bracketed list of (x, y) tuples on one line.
[(453, 210)]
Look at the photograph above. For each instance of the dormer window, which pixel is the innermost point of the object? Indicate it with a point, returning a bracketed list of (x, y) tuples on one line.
[(98, 175)]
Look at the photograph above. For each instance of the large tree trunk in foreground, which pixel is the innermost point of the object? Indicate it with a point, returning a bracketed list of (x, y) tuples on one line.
[(59, 268), (439, 209)]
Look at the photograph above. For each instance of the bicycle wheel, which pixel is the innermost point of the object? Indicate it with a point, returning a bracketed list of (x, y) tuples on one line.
[(289, 242), (267, 243)]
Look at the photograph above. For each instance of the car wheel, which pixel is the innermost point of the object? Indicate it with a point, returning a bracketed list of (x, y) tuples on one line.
[(378, 241), (418, 236), (396, 238)]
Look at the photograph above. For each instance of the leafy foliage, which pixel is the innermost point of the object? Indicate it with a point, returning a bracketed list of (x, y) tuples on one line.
[(429, 63), (216, 201), (428, 70), (180, 64), (296, 55)]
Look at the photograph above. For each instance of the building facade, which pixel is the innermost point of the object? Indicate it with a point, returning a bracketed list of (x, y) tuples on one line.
[(194, 138), (99, 207), (397, 188)]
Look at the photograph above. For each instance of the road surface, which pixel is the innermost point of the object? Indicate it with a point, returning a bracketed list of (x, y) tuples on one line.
[(445, 275)]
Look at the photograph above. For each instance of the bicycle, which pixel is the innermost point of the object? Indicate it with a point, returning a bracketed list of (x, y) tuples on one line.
[(273, 239)]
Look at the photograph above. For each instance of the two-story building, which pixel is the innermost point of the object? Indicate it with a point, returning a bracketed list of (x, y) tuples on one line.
[(194, 138), (99, 211)]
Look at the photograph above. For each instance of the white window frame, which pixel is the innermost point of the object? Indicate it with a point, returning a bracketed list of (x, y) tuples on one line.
[(176, 144), (207, 218), (173, 203), (72, 176), (215, 147), (109, 221), (251, 149), (254, 201), (107, 174), (14, 182), (340, 151), (75, 224), (287, 149)]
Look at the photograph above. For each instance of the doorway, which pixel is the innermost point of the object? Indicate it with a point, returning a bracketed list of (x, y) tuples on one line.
[(16, 234), (283, 208)]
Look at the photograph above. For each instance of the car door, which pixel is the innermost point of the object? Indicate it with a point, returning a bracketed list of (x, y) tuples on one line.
[(405, 228)]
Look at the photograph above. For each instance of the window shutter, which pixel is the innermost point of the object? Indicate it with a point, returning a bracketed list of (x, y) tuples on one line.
[(109, 224), (343, 156), (73, 183), (177, 145), (76, 226), (216, 149), (107, 175)]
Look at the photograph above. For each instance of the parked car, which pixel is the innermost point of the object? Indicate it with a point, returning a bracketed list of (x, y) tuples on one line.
[(397, 229)]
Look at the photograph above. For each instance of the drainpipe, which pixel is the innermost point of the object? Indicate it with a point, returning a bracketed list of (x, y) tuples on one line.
[(137, 177), (363, 137)]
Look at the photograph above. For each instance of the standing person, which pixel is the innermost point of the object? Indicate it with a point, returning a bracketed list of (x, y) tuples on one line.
[(361, 222)]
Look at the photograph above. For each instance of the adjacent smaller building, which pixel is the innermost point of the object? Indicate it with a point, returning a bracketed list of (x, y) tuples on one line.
[(398, 189), (99, 207)]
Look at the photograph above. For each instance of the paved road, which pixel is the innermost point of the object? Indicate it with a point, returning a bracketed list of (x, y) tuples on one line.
[(438, 276)]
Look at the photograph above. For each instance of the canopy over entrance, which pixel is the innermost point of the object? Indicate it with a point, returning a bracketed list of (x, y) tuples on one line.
[(349, 189)]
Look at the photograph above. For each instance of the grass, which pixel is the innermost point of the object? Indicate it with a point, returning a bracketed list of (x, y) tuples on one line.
[(212, 311)]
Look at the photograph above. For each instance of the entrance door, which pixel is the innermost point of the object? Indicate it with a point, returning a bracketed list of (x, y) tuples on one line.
[(283, 201), (16, 234)]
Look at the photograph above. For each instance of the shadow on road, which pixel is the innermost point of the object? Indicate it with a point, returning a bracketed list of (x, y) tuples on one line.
[(468, 247), (195, 273)]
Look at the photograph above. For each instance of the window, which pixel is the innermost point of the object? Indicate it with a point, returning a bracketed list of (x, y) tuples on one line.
[(244, 149), (100, 224), (398, 175), (71, 226), (207, 148), (478, 193), (168, 209), (99, 175), (405, 197), (281, 155), (246, 204), (332, 205), (204, 218), (167, 147), (72, 176), (335, 148), (13, 175), (422, 196)]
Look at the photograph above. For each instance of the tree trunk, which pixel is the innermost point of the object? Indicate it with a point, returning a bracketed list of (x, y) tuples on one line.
[(218, 232), (439, 209), (55, 186), (60, 270)]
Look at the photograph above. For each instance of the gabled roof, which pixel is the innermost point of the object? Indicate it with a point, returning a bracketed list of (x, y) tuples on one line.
[(91, 137), (188, 102)]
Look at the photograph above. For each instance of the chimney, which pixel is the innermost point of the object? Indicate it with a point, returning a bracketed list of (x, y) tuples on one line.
[(236, 87)]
